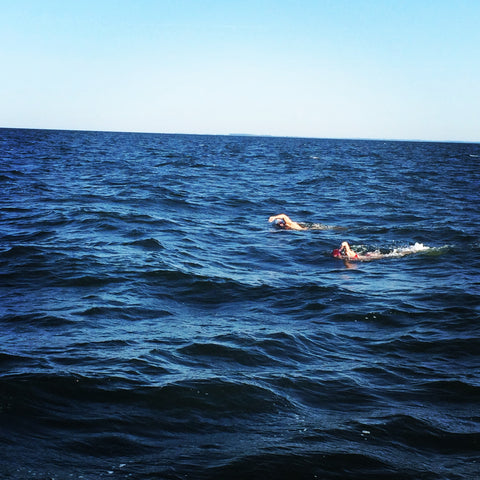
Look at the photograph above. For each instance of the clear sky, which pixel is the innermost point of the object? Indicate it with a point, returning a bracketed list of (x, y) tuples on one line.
[(389, 69)]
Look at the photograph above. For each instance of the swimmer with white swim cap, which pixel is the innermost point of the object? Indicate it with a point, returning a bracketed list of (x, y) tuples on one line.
[(285, 222)]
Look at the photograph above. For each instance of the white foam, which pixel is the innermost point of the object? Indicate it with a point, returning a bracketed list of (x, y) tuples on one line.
[(396, 252), (400, 252)]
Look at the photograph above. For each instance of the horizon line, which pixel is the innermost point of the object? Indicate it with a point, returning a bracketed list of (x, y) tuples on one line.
[(258, 135)]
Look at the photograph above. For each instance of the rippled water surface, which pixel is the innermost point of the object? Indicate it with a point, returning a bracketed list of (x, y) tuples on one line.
[(155, 325)]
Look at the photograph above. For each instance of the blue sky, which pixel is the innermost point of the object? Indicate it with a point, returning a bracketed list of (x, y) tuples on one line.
[(391, 69)]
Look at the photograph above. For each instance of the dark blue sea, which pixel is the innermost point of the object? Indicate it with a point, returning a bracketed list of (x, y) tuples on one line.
[(155, 325)]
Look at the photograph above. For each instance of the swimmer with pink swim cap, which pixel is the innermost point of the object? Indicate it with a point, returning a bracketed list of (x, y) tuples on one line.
[(345, 252)]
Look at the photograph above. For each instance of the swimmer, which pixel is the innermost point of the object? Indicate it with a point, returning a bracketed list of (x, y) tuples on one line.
[(285, 222), (346, 253)]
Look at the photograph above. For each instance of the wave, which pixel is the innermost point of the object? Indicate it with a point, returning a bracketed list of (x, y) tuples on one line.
[(147, 243), (39, 320), (205, 398), (419, 433), (219, 289), (12, 360), (125, 311), (215, 352), (327, 465)]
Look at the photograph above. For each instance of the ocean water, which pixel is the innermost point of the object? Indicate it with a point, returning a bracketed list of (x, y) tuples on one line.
[(155, 325)]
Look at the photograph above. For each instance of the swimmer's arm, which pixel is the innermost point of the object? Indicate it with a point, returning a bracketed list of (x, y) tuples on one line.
[(281, 216), (348, 251)]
